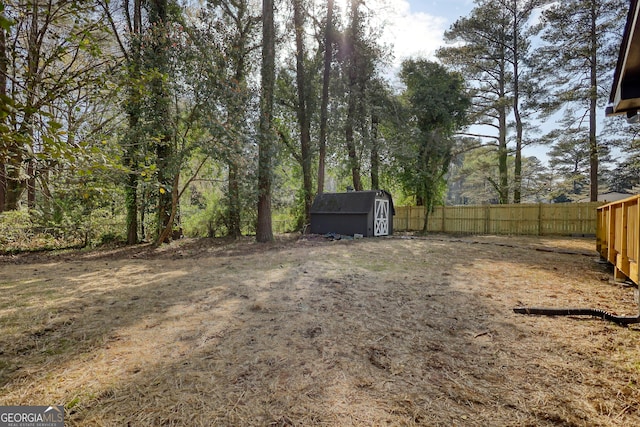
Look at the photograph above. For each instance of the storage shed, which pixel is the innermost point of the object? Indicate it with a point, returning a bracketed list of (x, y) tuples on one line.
[(369, 213)]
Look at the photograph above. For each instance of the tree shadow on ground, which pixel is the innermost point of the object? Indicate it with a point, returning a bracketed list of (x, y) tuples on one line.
[(315, 333)]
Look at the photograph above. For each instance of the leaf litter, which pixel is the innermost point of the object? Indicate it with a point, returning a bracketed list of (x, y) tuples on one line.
[(305, 331)]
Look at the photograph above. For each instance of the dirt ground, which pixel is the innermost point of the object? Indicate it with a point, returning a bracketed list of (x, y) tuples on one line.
[(311, 332)]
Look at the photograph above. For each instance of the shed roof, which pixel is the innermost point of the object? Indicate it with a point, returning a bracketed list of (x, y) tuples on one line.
[(625, 92), (610, 196), (353, 202)]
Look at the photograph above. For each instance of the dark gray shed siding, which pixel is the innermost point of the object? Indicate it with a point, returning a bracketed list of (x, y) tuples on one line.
[(349, 213)]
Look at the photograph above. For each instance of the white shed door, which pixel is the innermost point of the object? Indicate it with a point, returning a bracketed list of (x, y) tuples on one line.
[(381, 221)]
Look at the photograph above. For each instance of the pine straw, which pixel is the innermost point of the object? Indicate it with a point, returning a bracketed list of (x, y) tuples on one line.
[(395, 331)]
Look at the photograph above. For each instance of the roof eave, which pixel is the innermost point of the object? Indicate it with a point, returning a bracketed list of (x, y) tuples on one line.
[(625, 91)]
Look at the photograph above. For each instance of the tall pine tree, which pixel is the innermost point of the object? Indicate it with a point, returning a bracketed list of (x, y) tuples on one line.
[(264, 231), (580, 50), (494, 44), (482, 57)]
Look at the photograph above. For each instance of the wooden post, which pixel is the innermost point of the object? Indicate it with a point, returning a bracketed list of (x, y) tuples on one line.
[(636, 277), (611, 226), (539, 219), (599, 231), (622, 259), (487, 219)]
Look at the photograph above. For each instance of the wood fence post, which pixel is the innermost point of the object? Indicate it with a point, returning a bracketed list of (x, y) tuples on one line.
[(611, 256), (487, 219), (622, 258), (539, 219)]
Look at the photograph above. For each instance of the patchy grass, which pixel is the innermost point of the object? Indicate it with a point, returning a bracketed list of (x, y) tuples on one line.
[(397, 331)]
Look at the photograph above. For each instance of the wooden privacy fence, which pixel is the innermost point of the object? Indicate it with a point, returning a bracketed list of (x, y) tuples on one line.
[(516, 219), (618, 236)]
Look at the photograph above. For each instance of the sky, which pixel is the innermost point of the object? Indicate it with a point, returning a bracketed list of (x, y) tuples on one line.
[(416, 27)]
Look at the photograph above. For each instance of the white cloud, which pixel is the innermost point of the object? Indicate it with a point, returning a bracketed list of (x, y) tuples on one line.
[(412, 34), (409, 34)]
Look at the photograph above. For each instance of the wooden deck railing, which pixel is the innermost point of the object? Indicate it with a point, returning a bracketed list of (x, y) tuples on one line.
[(618, 236)]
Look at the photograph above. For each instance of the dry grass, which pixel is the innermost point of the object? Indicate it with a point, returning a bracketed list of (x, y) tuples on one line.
[(393, 331)]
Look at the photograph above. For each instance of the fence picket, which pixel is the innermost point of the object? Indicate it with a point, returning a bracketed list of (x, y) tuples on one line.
[(515, 219)]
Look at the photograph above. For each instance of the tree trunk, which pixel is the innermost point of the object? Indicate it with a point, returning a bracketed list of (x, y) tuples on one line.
[(425, 225), (517, 169), (134, 140), (375, 155), (44, 179), (324, 105), (14, 183), (176, 194), (33, 64), (4, 61), (233, 217), (3, 184), (165, 205), (304, 121), (354, 96), (31, 185), (503, 182), (17, 152), (130, 161), (517, 174), (593, 101), (264, 231), (237, 11), (131, 207), (503, 188), (165, 233), (354, 163), (165, 152), (144, 197)]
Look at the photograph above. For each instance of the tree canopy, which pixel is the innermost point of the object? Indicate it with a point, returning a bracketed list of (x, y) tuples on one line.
[(142, 120), (435, 106)]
